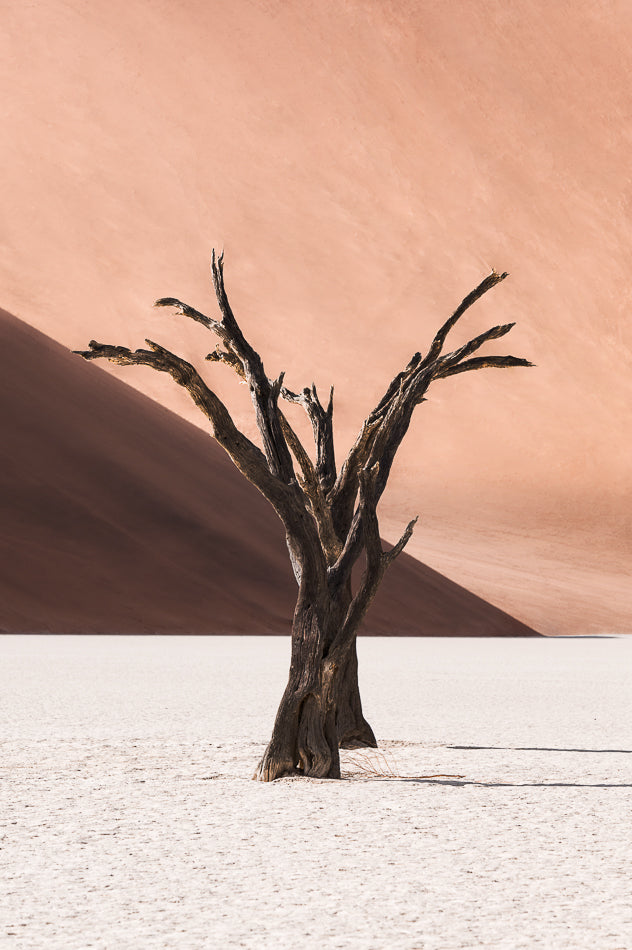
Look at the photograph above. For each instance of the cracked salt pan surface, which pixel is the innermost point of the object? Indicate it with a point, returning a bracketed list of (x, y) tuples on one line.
[(129, 818)]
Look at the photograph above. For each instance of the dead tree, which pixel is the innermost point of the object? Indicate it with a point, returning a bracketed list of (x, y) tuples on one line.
[(329, 515)]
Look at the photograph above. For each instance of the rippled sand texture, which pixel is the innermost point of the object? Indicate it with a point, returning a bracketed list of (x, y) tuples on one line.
[(496, 813)]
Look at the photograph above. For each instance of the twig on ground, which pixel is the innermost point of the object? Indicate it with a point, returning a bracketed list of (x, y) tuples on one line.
[(379, 764)]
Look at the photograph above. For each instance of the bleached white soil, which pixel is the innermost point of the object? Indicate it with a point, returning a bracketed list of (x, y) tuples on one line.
[(128, 817)]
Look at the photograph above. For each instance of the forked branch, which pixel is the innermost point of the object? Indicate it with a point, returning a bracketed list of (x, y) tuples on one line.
[(322, 426), (386, 426), (239, 354), (486, 284)]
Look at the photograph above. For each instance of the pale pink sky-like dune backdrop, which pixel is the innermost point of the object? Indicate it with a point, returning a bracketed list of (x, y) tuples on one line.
[(364, 165)]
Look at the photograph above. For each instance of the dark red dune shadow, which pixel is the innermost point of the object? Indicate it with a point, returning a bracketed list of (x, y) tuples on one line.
[(120, 517)]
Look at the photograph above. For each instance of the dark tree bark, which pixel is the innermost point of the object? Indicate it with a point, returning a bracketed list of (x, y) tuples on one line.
[(330, 516)]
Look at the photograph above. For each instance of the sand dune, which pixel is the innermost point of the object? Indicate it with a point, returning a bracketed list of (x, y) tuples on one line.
[(364, 166), (119, 516)]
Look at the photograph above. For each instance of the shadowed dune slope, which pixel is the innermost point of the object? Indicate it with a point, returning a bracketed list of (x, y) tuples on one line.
[(118, 516)]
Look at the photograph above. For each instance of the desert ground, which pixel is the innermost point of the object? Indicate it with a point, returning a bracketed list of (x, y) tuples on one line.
[(495, 813)]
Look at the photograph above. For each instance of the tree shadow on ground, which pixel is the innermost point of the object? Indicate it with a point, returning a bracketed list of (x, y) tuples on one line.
[(528, 748), (478, 748), (382, 769), (460, 783)]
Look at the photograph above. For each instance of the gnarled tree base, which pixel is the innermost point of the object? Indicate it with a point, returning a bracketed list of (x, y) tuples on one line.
[(313, 723)]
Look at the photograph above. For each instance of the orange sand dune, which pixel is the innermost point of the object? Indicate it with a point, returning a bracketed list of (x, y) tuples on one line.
[(365, 165), (118, 516)]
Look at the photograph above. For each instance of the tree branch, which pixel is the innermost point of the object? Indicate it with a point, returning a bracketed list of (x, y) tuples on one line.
[(244, 453), (343, 494), (472, 346), (228, 358), (483, 362), (385, 427), (190, 312), (311, 484), (437, 344), (377, 560), (312, 490), (310, 481), (277, 434), (397, 549), (246, 361), (322, 426)]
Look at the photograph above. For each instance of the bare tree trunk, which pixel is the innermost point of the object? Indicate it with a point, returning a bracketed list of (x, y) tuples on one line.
[(354, 732), (304, 735), (319, 713)]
